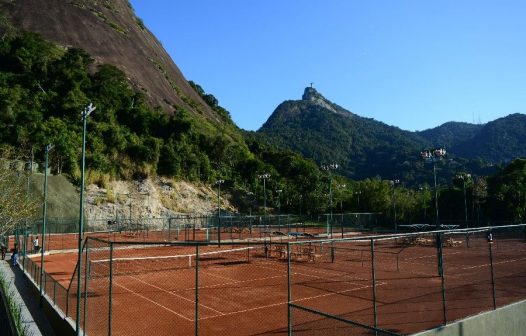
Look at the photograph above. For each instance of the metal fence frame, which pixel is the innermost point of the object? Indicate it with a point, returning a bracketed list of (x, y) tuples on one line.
[(64, 299), (439, 234)]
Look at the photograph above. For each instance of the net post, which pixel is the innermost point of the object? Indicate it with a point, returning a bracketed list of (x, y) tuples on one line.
[(289, 293), (332, 251), (373, 273), (490, 243), (197, 290), (110, 290)]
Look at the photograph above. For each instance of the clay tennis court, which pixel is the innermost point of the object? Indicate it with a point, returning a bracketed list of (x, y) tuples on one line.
[(245, 292), (69, 241)]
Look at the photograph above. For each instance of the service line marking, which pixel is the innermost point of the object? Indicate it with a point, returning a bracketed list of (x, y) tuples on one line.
[(154, 302), (286, 302)]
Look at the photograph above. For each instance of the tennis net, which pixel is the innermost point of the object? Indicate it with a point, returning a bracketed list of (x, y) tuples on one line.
[(149, 264)]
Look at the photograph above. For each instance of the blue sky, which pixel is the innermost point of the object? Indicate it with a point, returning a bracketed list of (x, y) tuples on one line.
[(412, 64)]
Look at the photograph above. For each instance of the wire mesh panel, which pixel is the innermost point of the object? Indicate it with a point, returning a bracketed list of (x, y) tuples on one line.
[(408, 283), (333, 277), (95, 289), (241, 292), (307, 322), (508, 252), (467, 272), (153, 284)]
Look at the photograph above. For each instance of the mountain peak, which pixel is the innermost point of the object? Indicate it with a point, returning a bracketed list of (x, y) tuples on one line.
[(311, 95)]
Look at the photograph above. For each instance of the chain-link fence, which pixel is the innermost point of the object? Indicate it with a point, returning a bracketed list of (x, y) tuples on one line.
[(404, 283), (383, 285)]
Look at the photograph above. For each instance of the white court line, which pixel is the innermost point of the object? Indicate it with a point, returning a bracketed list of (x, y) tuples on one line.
[(154, 302), (323, 278), (497, 263), (217, 276), (174, 294), (332, 274), (430, 256), (241, 281), (286, 302), (164, 290)]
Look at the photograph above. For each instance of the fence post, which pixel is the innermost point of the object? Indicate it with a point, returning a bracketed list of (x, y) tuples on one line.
[(490, 243), (197, 290), (219, 228), (442, 278), (289, 293), (85, 286), (332, 251), (374, 285), (110, 312), (438, 239)]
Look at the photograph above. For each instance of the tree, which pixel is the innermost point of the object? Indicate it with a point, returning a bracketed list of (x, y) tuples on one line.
[(14, 203)]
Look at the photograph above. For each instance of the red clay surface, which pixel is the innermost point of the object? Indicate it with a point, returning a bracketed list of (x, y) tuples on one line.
[(240, 298), (68, 241)]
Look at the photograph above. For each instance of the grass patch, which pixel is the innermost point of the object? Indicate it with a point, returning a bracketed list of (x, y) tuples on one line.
[(13, 309)]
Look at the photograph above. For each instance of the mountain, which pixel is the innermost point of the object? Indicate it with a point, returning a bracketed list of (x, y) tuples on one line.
[(499, 140), (111, 33), (326, 132), (58, 56), (450, 133), (503, 139)]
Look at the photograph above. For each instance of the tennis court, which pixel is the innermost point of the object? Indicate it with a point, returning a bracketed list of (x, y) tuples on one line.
[(235, 294), (397, 284)]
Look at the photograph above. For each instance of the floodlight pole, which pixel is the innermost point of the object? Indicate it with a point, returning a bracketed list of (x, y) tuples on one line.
[(342, 187), (279, 206), (422, 189), (27, 202), (329, 168), (218, 183), (84, 114), (250, 195), (264, 177), (358, 193), (434, 156), (464, 177), (44, 220)]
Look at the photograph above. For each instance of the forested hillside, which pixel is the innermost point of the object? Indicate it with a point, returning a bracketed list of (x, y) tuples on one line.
[(44, 87)]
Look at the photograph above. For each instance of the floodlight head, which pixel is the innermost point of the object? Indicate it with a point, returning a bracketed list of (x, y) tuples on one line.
[(49, 147), (87, 110)]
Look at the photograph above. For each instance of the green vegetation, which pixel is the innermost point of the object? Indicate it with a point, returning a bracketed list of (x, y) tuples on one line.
[(507, 192), (15, 205), (366, 148), (43, 88), (12, 307)]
